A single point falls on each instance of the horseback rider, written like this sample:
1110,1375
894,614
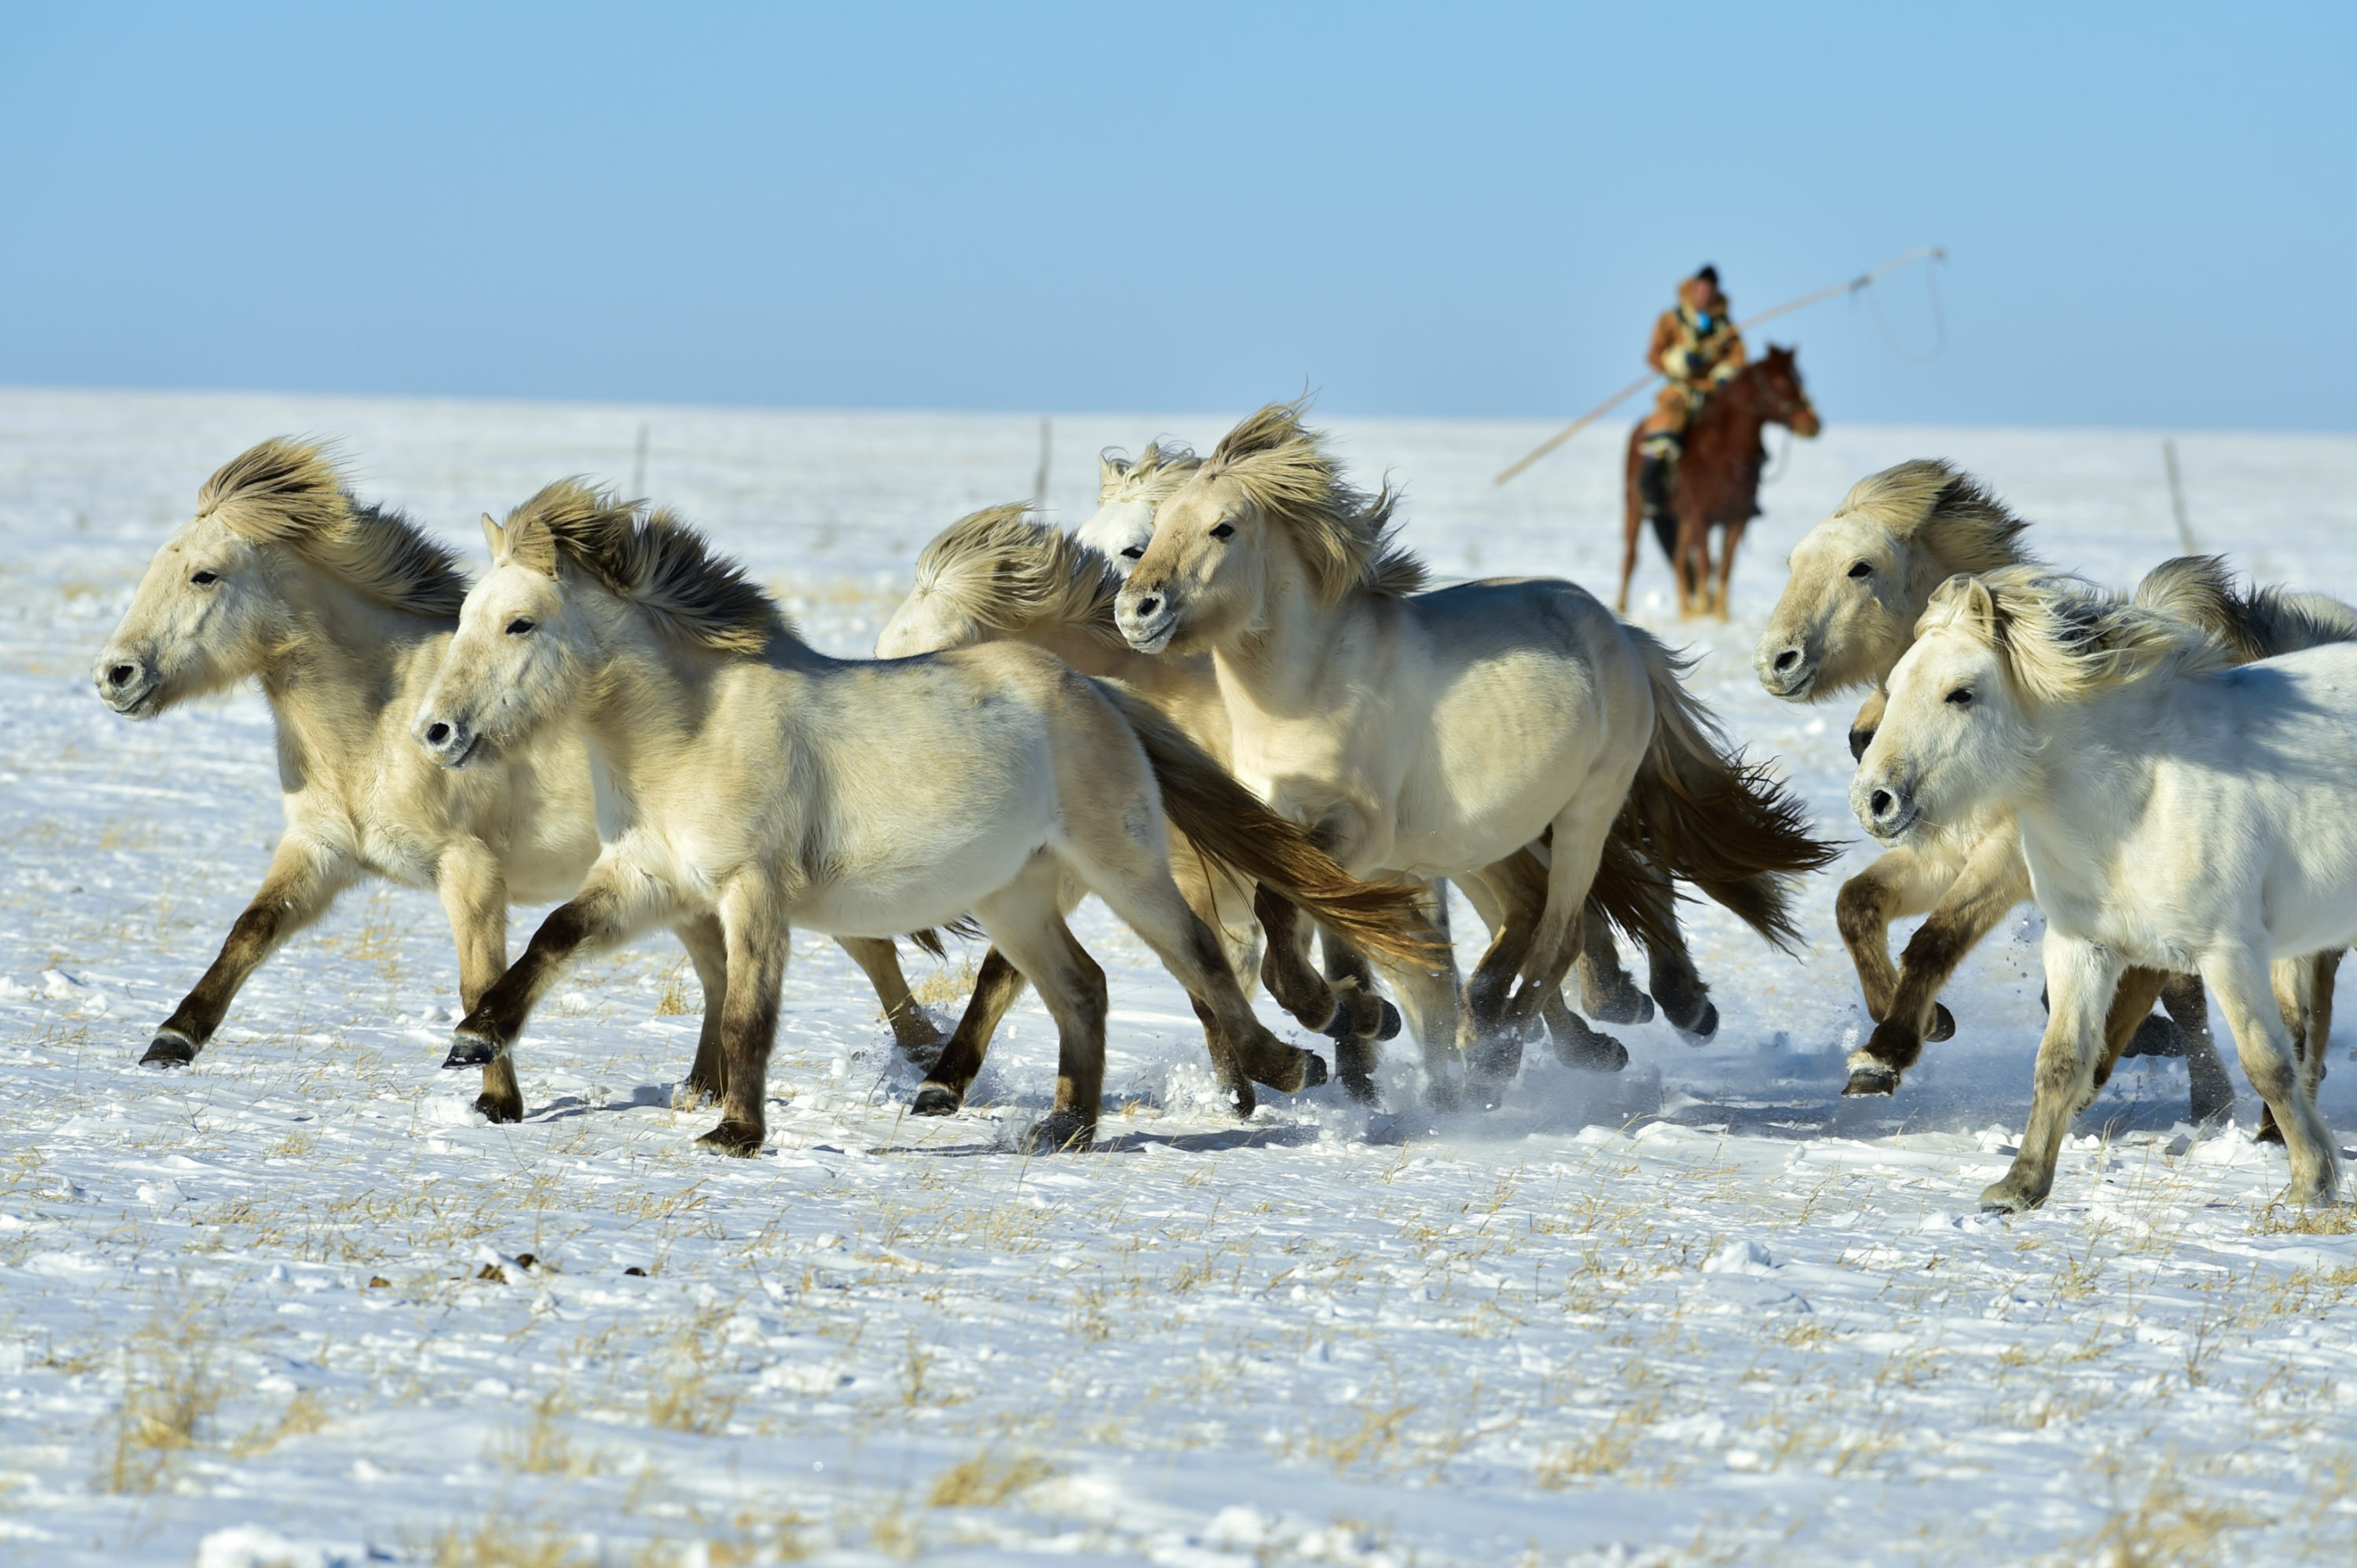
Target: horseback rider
1697,347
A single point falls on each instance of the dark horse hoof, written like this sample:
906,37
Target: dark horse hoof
737,1138
936,1099
1705,1026
494,1110
1944,1024
1313,1070
1390,1027
1060,1132
1631,1005
1871,1078
470,1050
169,1048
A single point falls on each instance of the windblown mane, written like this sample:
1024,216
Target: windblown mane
2062,638
290,492
654,560
1345,536
1929,502
1158,472
2257,623
1003,568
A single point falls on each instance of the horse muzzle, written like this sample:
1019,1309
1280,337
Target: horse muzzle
450,741
1787,672
1887,811
1149,620
126,685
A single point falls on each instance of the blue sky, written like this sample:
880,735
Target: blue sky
1442,211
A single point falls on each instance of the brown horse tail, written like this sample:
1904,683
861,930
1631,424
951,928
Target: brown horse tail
2259,623
1702,813
1231,826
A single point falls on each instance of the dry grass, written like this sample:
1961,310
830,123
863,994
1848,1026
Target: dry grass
949,984
983,1482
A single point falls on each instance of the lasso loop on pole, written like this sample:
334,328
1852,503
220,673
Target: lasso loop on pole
1939,314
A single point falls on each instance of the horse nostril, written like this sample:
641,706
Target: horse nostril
1787,659
119,675
436,734
1882,803
1147,607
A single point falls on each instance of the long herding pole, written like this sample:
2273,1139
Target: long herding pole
2176,498
1641,382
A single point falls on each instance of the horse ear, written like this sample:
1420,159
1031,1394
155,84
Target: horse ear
530,544
1980,605
1112,468
496,537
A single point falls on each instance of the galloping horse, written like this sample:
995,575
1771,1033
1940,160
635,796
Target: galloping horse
1718,479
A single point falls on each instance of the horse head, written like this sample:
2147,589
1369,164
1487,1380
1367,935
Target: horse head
1782,397
1954,729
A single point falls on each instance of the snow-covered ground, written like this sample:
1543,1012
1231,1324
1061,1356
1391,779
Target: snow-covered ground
275,1308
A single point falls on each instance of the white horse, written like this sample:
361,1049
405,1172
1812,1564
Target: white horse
1860,581
745,775
1127,493
341,612
2176,811
1441,734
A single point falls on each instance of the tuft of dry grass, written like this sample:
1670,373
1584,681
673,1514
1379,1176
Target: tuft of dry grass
983,1483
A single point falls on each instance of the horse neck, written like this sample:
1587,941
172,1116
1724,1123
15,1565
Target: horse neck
1086,650
648,704
2081,791
343,658
1278,665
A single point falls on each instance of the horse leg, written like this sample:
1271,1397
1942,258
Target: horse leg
2081,979
303,880
707,949
1284,967
1576,1044
1900,882
1579,833
996,987
752,923
474,896
2238,980
1631,526
615,903
1511,899
1025,921
2132,1001
1607,991
2303,989
1995,879
1730,537
1369,1018
879,959
2212,1092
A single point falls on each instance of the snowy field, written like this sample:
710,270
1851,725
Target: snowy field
274,1309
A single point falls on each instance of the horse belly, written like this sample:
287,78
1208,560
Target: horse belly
933,886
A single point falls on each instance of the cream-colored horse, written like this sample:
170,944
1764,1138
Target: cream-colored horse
1441,734
2176,811
1859,583
341,612
1003,573
744,775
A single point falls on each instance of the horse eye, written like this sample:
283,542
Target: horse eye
1962,696
519,626
205,579
1863,569
1134,552
1225,531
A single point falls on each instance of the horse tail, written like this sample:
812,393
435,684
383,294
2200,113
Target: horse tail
1231,827
1702,813
2257,623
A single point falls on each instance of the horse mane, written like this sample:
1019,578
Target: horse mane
2253,623
1158,471
654,560
1345,536
1003,568
1931,503
290,492
2064,638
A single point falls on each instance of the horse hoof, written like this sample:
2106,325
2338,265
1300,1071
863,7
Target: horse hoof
1361,1089
1705,1026
169,1048
2154,1036
2007,1196
470,1050
1390,1027
1599,1052
936,1099
739,1139
1871,1078
1243,1100
497,1111
1629,1006
1944,1024
1313,1070
1061,1132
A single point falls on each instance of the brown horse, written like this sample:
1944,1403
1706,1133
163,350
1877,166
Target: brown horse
1718,479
